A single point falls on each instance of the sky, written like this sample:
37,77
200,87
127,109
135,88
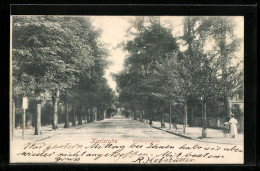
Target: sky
114,32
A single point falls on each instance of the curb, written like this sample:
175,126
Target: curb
65,131
44,138
184,136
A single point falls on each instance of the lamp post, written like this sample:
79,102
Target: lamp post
204,118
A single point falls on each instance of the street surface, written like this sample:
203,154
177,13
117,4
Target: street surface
119,131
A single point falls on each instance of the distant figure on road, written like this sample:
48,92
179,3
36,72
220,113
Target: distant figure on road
233,126
150,121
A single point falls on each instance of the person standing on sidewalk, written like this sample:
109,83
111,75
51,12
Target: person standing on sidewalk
233,126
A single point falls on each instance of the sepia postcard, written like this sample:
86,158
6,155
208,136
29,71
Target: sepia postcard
126,89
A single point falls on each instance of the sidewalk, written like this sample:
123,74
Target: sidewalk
47,131
194,133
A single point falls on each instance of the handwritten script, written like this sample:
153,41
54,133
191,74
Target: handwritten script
136,153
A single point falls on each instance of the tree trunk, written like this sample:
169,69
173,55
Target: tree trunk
105,114
140,115
101,114
91,114
147,116
61,113
162,119
227,106
98,115
143,116
223,55
66,111
151,117
135,115
74,114
80,115
38,120
185,118
204,120
13,118
55,111
88,115
95,114
192,115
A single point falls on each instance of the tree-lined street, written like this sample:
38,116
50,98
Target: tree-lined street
108,140
194,79
118,127
162,82
58,64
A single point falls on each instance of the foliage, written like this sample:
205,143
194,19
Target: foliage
40,47
198,73
51,53
111,111
150,44
126,113
156,71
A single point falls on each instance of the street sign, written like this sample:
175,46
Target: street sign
25,103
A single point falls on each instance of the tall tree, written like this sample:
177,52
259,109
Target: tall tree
40,45
151,41
197,73
55,54
226,44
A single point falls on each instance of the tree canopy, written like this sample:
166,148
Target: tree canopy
56,52
157,69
